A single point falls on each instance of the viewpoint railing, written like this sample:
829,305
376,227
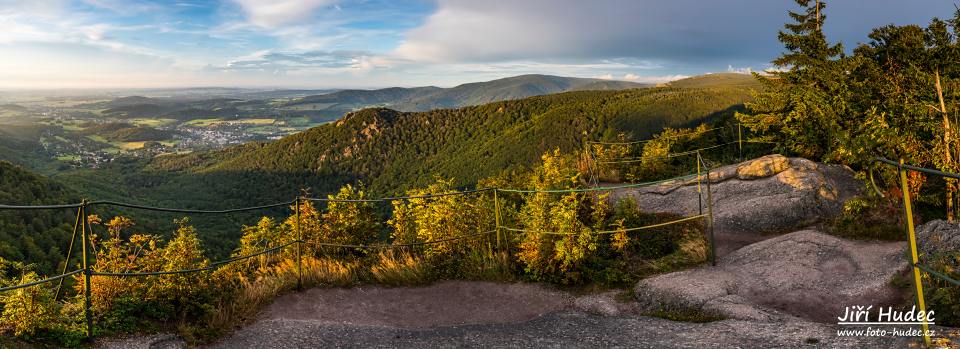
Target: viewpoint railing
594,164
83,227
910,229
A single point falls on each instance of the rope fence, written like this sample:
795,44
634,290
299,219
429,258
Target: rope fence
82,227
915,264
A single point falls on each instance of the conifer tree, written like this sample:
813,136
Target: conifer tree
804,99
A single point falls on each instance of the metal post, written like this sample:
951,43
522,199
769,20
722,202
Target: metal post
713,240
908,212
740,140
85,236
496,205
699,191
66,261
299,246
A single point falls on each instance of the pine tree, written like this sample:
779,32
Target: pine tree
804,100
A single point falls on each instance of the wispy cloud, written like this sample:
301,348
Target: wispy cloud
271,14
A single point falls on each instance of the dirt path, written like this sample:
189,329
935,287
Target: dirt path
480,314
442,304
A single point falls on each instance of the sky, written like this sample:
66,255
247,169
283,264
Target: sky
379,43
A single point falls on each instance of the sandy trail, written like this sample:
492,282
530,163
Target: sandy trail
442,304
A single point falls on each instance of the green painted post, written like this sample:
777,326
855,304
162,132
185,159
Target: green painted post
85,236
911,234
740,140
713,240
66,261
299,247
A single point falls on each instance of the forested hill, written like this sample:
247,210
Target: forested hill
717,79
391,150
38,237
428,98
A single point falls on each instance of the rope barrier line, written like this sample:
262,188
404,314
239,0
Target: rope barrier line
42,207
390,246
919,169
603,232
180,210
282,204
410,197
49,279
668,156
209,267
656,139
633,185
938,274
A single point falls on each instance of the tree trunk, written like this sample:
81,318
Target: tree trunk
947,139
818,15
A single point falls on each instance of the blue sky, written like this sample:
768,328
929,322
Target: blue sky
377,43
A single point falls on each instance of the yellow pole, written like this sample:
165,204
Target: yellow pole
908,211
299,247
699,191
66,261
496,205
85,241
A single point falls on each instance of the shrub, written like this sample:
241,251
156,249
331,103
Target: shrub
352,223
28,309
868,218
124,303
440,218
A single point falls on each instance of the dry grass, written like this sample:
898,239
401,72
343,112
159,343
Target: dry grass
400,269
488,265
270,282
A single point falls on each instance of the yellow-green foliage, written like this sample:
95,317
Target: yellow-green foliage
28,309
161,297
655,154
557,239
440,218
350,222
399,268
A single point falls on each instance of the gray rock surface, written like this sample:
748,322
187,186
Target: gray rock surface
569,329
804,274
754,199
154,341
937,237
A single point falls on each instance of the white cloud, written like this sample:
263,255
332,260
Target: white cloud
275,13
741,70
604,77
631,77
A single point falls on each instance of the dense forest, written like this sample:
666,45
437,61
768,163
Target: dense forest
39,238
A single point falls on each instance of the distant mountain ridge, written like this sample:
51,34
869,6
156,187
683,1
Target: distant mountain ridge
476,93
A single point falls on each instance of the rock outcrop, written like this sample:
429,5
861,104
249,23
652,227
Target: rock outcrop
771,194
756,199
937,237
805,274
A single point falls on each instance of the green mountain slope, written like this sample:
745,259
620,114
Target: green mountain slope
39,237
717,79
392,150
428,98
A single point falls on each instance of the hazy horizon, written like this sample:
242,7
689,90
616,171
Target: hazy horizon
335,44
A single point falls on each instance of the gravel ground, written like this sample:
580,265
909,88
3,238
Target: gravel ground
568,329
440,304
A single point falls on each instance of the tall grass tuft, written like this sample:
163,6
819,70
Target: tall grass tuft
402,268
485,264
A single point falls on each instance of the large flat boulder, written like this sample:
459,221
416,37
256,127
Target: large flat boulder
757,198
804,274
